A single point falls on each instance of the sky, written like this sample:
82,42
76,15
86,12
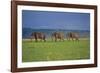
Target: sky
55,20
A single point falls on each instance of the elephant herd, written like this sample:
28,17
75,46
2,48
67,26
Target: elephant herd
55,36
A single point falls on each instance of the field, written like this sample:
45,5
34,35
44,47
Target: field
51,50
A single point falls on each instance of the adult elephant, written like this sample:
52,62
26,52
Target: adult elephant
72,36
38,35
57,35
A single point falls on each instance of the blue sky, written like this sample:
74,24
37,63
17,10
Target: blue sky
55,20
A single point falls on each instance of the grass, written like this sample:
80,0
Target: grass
50,50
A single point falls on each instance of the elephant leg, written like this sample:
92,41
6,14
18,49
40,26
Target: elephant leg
36,40
72,38
44,39
55,39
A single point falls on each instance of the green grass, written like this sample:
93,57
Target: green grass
50,50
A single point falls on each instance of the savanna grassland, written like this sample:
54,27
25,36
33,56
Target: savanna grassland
51,50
